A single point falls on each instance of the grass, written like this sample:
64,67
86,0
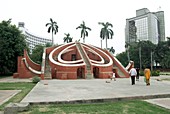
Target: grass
120,107
2,76
25,87
165,73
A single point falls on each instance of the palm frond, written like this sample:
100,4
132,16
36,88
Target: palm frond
109,24
101,23
78,27
81,33
86,33
83,23
88,28
49,29
51,20
48,24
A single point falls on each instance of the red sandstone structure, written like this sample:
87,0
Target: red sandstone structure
73,60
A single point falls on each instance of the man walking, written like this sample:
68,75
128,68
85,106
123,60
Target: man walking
133,74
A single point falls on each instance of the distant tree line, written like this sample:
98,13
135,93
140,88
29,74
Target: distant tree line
149,54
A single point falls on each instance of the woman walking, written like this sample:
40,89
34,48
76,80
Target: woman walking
147,74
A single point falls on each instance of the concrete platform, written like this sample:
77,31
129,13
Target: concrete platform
163,102
5,95
96,90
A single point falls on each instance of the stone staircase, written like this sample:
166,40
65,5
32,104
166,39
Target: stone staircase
89,74
47,73
120,73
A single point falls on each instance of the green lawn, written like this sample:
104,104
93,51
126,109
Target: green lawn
4,76
23,86
165,73
119,107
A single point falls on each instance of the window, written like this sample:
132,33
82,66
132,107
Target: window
142,28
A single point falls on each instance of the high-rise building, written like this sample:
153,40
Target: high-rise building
32,40
145,26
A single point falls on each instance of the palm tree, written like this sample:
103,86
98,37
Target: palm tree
84,29
106,32
112,50
67,38
53,28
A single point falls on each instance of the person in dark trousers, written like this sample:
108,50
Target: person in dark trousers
133,74
137,76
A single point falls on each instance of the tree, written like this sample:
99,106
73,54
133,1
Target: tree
67,38
165,62
168,40
48,44
106,32
122,57
147,47
140,60
53,28
84,29
37,53
12,44
161,54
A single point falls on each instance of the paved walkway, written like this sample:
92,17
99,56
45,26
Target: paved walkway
97,90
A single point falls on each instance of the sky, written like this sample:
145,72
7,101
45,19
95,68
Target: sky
69,14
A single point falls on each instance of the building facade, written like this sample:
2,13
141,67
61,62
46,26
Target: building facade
145,26
32,40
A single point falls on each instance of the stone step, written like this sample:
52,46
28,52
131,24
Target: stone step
89,76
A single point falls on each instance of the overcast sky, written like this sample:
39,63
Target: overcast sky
70,13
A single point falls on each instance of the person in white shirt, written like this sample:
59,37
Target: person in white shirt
113,77
133,74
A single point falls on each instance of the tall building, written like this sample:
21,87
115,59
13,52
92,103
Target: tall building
32,40
145,26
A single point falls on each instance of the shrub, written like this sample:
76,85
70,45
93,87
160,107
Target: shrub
36,79
141,73
155,73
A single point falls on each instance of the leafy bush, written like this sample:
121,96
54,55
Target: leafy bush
36,79
141,73
155,73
